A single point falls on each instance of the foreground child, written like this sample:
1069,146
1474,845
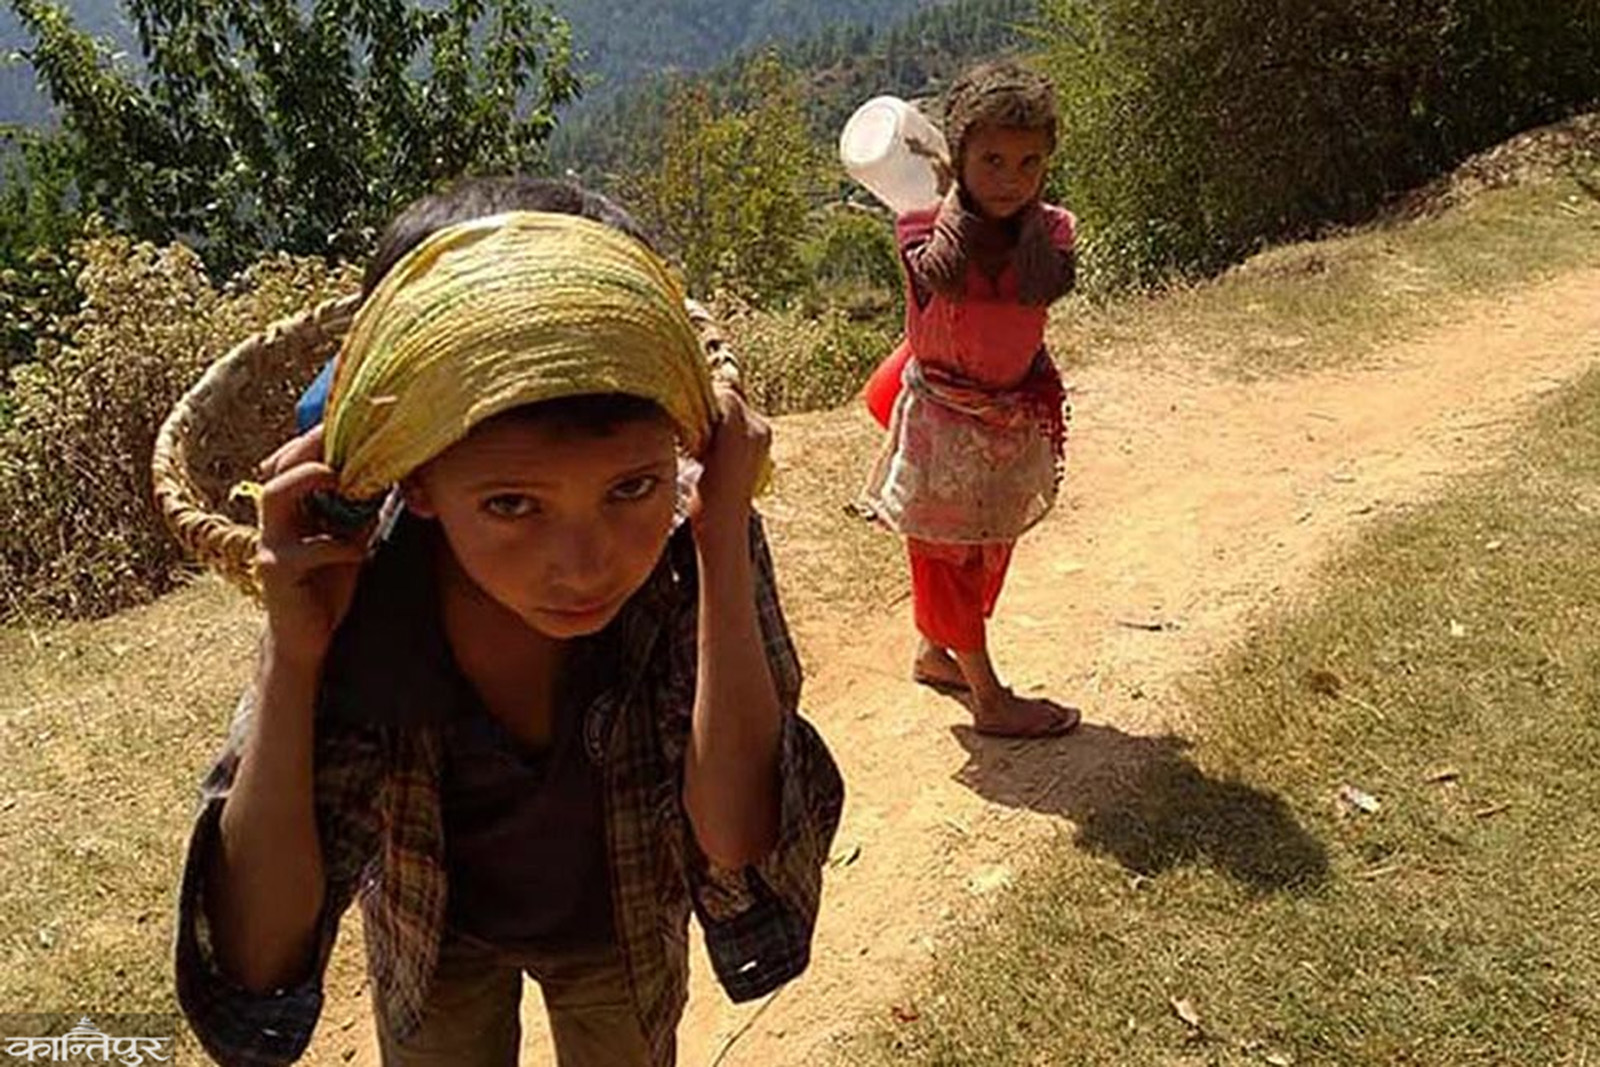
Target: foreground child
544,718
973,402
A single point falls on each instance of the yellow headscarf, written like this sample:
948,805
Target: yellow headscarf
499,312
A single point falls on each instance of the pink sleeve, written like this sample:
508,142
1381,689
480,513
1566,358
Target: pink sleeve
914,227
1063,227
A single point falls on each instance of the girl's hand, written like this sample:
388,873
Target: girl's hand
941,166
1039,263
308,576
740,444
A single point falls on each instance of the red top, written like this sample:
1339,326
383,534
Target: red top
988,336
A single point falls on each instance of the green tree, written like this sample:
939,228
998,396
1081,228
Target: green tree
38,269
1194,130
275,125
733,189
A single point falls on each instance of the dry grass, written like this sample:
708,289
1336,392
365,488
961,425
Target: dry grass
1310,306
1448,668
106,727
79,535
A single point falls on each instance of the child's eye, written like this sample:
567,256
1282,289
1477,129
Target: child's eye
510,506
635,488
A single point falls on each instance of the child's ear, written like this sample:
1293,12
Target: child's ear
417,499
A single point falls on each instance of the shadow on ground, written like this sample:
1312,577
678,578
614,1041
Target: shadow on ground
1141,801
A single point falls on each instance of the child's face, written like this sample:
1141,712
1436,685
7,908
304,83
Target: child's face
1004,168
560,528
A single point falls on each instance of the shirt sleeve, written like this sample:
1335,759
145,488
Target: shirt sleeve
1047,257
759,920
236,1025
933,246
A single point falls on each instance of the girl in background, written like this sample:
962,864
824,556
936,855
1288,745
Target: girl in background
974,404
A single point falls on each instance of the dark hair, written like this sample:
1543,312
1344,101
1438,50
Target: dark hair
476,198
584,415
1002,92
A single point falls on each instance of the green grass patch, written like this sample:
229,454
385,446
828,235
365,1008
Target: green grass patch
1310,306
1447,666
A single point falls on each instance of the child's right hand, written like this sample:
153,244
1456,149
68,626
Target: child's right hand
935,158
308,576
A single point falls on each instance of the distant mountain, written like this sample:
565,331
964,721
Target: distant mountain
622,40
628,39
840,67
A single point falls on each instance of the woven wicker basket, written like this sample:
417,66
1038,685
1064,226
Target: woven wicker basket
233,417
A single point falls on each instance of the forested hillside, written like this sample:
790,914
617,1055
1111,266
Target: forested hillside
838,68
622,40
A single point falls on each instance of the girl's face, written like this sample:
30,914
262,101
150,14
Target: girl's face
1004,168
559,527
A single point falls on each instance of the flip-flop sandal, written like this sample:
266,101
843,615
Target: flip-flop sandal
1066,722
942,686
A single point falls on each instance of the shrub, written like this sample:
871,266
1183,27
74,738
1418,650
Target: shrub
1195,130
793,362
79,533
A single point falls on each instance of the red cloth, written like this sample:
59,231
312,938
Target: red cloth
883,388
954,589
988,336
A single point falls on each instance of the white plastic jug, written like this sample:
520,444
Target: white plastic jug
873,149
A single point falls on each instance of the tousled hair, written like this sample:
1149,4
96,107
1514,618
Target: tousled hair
1002,92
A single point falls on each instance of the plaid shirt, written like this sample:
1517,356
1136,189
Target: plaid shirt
377,785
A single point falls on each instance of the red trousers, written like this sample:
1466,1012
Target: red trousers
954,589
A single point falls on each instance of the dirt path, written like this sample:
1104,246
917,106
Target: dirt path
1191,501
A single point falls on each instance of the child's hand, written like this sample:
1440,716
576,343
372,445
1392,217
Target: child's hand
941,166
740,443
308,577
1038,261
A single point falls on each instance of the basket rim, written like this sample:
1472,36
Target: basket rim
215,540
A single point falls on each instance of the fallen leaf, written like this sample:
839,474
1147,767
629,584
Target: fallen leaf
1324,682
1354,799
845,858
1491,810
1445,774
1154,626
1184,1010
904,1014
1494,546
1280,1059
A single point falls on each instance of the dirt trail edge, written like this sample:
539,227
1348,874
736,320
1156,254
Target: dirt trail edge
1191,503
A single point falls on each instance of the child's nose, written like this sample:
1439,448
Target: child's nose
579,556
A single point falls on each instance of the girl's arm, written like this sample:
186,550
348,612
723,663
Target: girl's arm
936,255
1047,255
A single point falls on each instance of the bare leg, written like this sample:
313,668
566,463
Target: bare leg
997,710
936,667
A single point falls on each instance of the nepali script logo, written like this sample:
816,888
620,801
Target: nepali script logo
82,1042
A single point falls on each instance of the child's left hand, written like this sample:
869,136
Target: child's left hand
1038,262
733,463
